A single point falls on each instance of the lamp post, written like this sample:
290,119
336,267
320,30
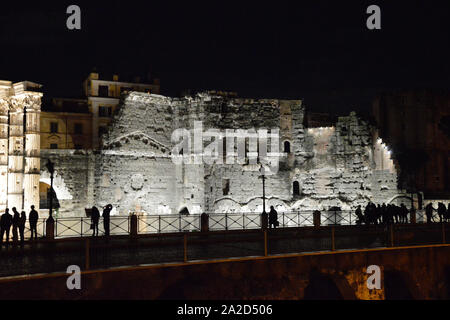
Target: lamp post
264,217
51,168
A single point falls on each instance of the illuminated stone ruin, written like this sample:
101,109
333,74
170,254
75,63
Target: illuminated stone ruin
20,107
344,165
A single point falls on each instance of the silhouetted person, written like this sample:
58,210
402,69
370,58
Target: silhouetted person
95,217
15,225
384,213
273,217
359,214
5,225
106,218
22,220
33,219
403,214
441,211
429,212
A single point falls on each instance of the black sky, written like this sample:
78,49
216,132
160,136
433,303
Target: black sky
317,50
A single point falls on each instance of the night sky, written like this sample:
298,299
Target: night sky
320,51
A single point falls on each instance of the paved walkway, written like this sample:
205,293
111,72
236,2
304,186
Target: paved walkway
94,253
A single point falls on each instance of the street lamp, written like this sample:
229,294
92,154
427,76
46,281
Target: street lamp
51,168
264,217
263,177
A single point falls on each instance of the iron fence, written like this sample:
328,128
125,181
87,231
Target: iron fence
148,224
168,223
81,226
40,228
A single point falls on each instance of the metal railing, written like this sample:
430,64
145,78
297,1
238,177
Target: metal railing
168,223
149,224
81,226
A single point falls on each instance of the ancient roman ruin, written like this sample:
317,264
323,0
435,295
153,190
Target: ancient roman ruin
20,107
343,165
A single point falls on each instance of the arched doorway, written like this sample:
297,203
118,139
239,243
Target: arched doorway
395,286
321,287
45,192
287,147
296,188
184,211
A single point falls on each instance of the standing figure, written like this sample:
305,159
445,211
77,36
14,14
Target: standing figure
429,212
441,211
33,219
22,220
403,213
95,217
359,214
15,225
106,215
5,225
273,217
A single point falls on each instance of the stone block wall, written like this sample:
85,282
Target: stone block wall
344,165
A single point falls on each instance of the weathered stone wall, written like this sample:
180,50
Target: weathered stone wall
73,179
343,166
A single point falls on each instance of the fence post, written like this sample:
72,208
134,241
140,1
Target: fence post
133,225
316,218
412,216
204,222
50,229
265,242
333,247
87,249
264,220
226,221
81,226
185,247
159,224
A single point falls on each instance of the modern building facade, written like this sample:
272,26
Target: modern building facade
79,123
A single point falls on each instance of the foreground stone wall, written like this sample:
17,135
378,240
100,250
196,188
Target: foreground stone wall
406,273
344,165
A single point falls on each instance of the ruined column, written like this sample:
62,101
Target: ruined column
16,154
4,127
32,149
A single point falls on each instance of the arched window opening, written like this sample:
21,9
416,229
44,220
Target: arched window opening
296,188
287,147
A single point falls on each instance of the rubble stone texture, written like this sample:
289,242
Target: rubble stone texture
342,166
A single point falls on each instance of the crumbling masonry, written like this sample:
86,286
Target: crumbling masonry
344,165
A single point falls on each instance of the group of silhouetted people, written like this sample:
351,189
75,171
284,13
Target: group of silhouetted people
95,218
17,222
382,214
443,212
